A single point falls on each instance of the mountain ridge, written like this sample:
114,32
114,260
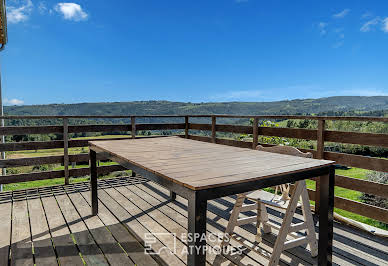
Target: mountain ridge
285,107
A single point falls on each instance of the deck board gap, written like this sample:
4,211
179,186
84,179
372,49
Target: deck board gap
107,256
49,229
29,226
10,236
211,223
63,190
153,257
106,227
156,257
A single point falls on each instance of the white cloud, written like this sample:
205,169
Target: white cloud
367,26
71,11
385,25
322,27
13,102
42,7
19,11
342,14
367,15
375,22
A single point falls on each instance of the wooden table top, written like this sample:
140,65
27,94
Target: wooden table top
200,165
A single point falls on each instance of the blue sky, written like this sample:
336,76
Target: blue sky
197,51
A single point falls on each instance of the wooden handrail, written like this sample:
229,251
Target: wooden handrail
347,118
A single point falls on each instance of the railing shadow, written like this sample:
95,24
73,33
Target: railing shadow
66,247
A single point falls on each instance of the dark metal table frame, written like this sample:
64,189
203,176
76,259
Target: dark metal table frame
197,201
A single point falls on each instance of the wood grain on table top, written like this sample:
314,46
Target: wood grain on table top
199,165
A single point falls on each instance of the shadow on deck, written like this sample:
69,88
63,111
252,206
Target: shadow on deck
53,225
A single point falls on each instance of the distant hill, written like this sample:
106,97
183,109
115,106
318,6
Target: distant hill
300,106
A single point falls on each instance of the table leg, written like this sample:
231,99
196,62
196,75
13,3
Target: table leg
93,181
196,231
325,244
172,195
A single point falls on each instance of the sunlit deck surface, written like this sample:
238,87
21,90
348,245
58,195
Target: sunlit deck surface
52,225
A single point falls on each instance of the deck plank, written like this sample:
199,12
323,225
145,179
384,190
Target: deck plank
21,247
43,249
66,249
164,220
5,230
179,214
128,210
132,247
214,218
181,219
157,226
89,250
366,255
132,218
101,235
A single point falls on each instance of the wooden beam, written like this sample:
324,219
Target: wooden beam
98,128
299,133
319,155
370,139
76,172
363,209
31,161
360,208
25,130
133,127
187,127
255,134
359,161
214,129
66,149
365,186
200,126
343,118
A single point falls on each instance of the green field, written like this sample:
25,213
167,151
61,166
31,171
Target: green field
352,195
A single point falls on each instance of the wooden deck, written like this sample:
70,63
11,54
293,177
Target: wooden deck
53,226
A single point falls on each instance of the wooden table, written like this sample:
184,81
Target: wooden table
200,171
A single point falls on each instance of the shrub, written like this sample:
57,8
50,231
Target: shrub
380,177
41,168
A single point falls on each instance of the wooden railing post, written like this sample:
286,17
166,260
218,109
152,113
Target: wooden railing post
213,128
186,126
66,149
133,133
133,126
255,132
320,155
